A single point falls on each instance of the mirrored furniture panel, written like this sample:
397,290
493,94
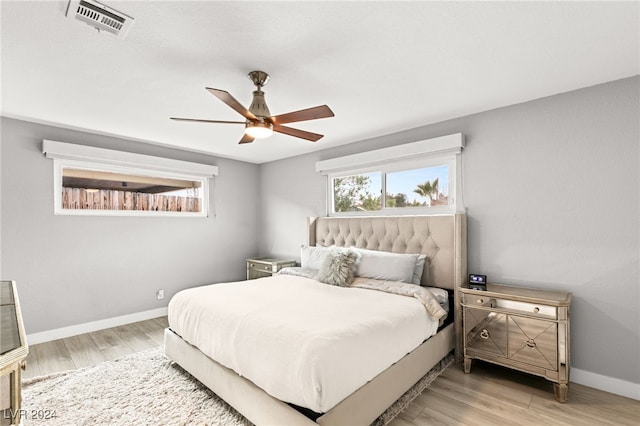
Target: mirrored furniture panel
13,351
522,328
265,267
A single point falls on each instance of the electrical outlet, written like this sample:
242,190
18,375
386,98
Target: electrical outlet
160,294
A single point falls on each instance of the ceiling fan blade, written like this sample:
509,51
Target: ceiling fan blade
314,113
201,120
246,139
303,134
225,97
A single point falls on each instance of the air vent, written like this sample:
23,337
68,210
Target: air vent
99,16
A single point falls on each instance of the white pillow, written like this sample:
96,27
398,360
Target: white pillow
312,257
417,272
382,265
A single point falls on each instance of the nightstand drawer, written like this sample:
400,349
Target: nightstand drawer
535,309
485,331
476,300
511,306
262,267
534,342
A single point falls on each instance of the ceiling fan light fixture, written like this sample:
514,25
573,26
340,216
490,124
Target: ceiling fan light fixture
259,123
259,130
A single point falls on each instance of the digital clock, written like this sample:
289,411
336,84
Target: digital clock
477,282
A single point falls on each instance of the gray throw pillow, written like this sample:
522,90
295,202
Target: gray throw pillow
338,268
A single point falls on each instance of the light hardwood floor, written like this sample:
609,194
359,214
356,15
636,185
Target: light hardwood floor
92,348
490,395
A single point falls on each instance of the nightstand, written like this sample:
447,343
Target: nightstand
266,267
522,328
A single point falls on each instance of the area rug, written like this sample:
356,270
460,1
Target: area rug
146,388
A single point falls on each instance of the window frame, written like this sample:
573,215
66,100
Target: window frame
60,164
67,155
444,150
398,166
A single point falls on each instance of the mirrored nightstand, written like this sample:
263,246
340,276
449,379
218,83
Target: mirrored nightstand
266,267
522,328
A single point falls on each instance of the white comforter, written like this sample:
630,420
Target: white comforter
303,342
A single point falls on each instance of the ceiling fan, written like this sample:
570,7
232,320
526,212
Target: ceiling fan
259,122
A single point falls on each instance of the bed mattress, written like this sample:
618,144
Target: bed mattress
301,341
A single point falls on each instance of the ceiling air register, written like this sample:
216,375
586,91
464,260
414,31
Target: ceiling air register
99,16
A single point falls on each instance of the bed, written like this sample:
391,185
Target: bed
441,238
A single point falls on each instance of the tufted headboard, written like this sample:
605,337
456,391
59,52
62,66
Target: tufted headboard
442,238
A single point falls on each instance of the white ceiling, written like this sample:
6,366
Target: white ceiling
382,67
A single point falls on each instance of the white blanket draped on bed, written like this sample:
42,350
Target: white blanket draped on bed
301,341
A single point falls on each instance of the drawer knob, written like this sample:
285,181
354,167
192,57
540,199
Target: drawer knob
531,344
536,310
480,301
484,334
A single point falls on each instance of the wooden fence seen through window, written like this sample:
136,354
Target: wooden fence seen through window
82,199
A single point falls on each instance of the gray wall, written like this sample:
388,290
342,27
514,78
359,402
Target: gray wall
552,192
76,269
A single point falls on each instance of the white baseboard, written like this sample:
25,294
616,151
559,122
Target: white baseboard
88,327
605,383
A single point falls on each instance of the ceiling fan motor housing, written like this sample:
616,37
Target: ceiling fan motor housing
258,106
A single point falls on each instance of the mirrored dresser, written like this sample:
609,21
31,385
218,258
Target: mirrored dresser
13,351
522,328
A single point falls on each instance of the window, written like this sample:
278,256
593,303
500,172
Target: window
94,181
93,189
425,187
357,193
417,178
